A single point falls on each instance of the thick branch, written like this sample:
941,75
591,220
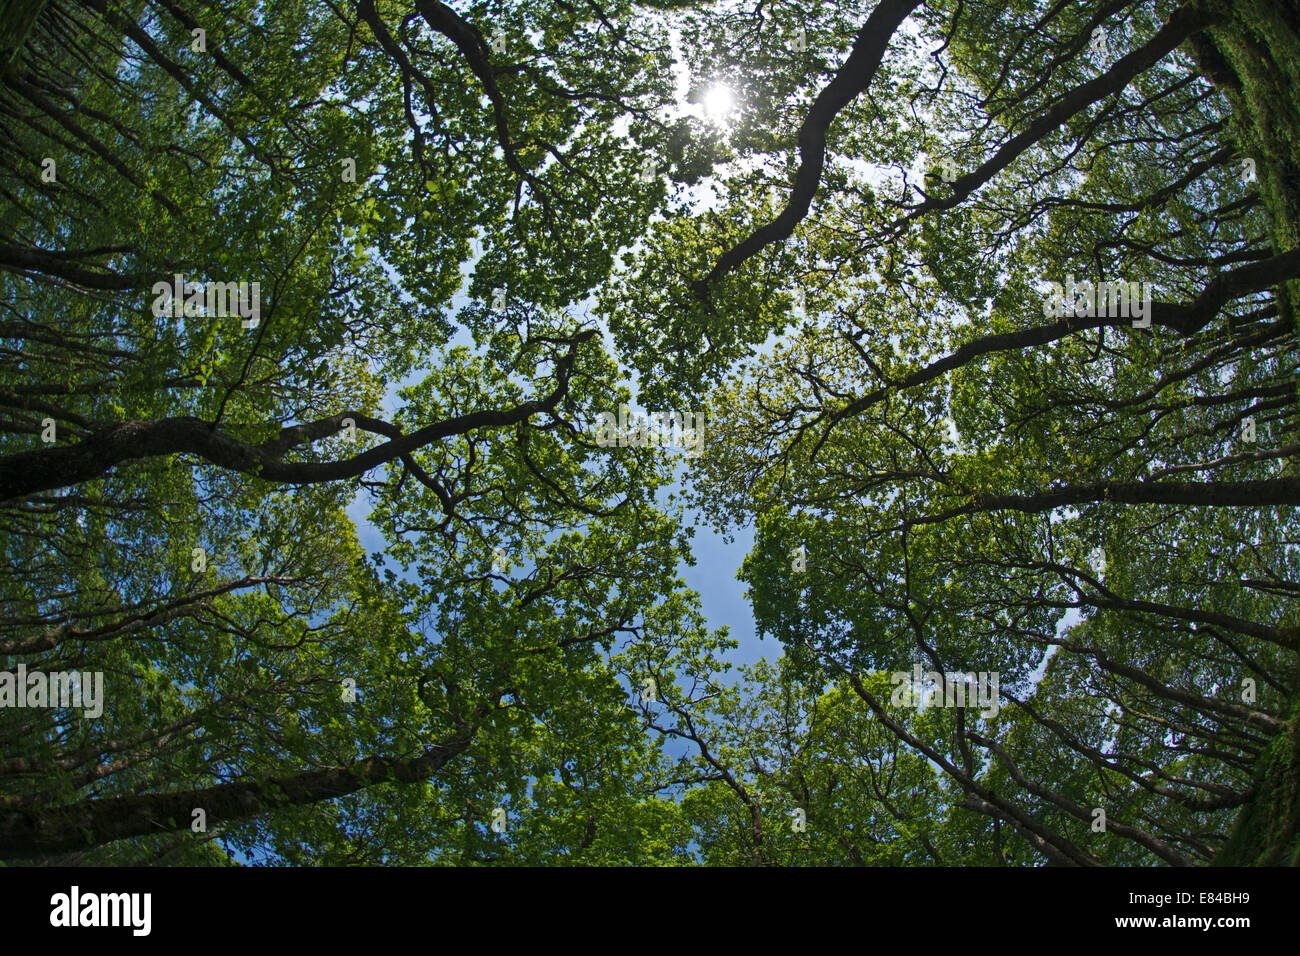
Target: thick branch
852,79
46,469
37,831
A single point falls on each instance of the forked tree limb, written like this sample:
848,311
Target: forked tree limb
58,466
1185,318
856,75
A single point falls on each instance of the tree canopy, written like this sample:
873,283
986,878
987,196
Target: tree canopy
982,316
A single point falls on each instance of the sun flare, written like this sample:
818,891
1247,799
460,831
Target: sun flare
719,101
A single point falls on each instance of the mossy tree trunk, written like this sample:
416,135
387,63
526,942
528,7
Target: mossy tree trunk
1252,54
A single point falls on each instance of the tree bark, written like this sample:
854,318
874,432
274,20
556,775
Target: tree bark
1258,493
33,832
852,79
45,469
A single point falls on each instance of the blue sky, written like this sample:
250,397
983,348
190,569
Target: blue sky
722,596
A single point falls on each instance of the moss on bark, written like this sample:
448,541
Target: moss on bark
1252,54
1267,830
